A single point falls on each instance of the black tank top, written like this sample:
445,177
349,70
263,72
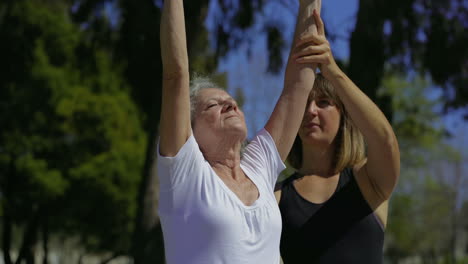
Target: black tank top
343,230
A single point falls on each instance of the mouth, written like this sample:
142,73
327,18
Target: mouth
311,125
229,117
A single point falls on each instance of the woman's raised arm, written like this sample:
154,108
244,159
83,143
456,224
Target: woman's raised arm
378,176
287,116
175,126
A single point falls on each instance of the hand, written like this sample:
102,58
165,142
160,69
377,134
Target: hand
315,48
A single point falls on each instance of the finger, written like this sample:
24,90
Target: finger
311,38
321,58
311,50
319,23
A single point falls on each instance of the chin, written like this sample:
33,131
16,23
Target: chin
309,135
241,132
312,139
238,131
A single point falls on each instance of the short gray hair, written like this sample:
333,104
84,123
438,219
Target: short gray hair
198,83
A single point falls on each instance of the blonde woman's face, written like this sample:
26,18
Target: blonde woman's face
321,122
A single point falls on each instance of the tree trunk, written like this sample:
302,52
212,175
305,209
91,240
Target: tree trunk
30,255
29,240
6,238
7,218
115,255
148,245
80,258
455,212
139,47
45,242
367,54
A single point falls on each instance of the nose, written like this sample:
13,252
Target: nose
229,105
311,108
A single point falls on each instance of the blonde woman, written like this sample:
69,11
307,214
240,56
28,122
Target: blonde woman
334,208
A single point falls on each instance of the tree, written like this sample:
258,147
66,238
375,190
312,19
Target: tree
422,220
419,35
71,142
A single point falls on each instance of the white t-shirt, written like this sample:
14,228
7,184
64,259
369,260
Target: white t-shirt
203,221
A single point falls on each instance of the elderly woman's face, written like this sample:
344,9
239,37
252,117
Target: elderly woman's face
217,115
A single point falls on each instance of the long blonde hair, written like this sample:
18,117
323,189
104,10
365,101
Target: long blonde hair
350,146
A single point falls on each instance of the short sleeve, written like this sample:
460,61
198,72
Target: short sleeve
261,155
173,171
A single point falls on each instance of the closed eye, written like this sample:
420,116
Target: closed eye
211,105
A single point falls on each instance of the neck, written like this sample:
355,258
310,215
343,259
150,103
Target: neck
318,160
224,154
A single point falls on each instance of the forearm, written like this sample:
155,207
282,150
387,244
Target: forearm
302,74
173,39
298,82
299,78
305,21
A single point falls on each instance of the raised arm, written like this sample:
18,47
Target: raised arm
175,126
287,116
378,176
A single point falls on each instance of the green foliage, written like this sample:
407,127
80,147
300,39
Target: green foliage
419,220
45,184
108,152
416,121
427,37
421,209
401,237
72,145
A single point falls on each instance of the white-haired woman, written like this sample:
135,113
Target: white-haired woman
216,206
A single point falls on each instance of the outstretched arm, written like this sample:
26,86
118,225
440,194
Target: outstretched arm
378,176
175,126
298,81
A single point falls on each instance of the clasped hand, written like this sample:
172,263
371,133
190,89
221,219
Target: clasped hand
314,48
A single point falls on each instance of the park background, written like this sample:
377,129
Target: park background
80,86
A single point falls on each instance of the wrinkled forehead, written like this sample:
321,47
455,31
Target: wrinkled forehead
212,94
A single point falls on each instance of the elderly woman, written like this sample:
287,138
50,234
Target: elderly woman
334,208
216,206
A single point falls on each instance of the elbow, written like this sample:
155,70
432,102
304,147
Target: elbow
387,144
386,193
393,150
393,173
387,172
384,189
